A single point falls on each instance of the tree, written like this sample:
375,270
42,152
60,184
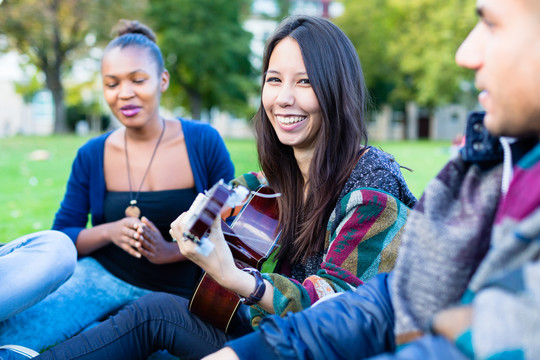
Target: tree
284,9
54,33
407,47
431,32
370,26
206,51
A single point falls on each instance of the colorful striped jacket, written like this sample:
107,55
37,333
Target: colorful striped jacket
362,236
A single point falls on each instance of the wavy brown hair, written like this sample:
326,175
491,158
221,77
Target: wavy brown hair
336,77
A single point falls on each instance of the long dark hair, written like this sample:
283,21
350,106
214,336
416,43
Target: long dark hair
134,33
335,74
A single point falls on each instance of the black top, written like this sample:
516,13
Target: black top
162,208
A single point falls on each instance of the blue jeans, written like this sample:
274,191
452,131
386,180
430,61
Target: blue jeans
155,321
32,267
91,294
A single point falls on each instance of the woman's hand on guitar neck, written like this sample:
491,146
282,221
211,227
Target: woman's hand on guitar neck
219,263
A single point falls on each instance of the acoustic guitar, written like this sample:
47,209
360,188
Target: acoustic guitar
251,237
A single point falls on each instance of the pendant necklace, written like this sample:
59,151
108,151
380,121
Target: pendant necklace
133,210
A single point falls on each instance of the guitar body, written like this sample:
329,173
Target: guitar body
213,303
251,238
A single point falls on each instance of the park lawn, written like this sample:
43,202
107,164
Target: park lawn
31,190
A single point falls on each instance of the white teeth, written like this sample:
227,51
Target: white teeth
289,119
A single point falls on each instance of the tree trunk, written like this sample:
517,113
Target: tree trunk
60,118
54,75
54,84
195,104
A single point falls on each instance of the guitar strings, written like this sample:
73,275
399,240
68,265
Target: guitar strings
267,196
254,193
243,236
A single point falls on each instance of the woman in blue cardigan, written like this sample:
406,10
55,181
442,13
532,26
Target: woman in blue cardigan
131,183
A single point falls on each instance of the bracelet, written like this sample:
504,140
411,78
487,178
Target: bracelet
260,287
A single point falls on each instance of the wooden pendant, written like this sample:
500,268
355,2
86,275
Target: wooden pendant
133,211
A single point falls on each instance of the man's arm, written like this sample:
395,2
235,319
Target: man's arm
355,324
452,322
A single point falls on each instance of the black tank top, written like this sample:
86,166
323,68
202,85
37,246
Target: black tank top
162,208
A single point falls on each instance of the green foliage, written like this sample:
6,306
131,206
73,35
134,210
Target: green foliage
369,25
29,87
81,112
53,33
284,7
206,51
407,47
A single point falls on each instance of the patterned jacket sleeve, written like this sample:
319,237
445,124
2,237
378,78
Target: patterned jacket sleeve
505,289
506,310
364,243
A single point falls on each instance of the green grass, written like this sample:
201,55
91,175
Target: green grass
31,190
424,158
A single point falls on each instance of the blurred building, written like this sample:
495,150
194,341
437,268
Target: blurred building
442,123
18,117
11,103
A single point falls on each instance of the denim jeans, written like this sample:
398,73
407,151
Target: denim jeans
32,267
155,321
91,294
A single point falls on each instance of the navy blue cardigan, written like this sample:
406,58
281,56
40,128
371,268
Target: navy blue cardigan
85,192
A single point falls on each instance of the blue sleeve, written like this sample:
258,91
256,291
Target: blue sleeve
209,158
352,325
72,215
220,163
